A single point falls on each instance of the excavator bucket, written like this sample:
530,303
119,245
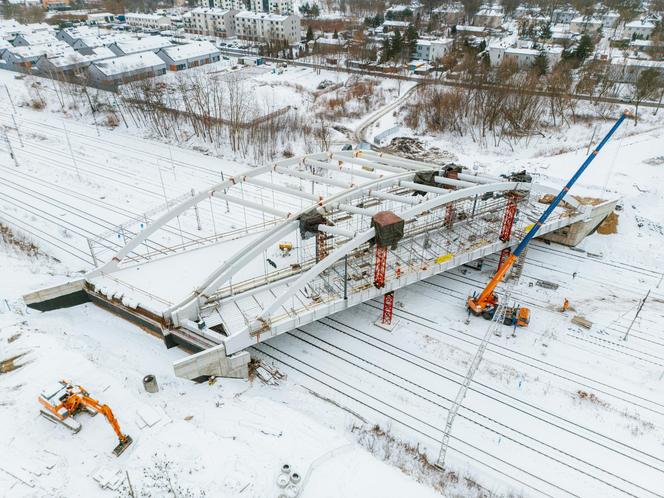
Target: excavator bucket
119,449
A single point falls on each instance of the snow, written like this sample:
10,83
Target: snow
149,43
526,406
127,63
190,50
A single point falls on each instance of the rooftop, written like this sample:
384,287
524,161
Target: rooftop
142,44
127,63
190,50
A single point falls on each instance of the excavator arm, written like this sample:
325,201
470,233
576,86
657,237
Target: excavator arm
94,405
487,297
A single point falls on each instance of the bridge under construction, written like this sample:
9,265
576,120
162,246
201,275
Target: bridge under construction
307,237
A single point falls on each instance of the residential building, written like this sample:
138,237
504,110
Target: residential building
111,72
148,21
283,7
432,50
563,15
38,38
210,22
628,70
70,35
450,14
523,56
190,55
24,58
259,27
136,45
609,19
639,29
489,17
68,64
225,4
55,4
395,26
100,18
585,24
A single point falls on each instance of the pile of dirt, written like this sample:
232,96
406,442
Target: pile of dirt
609,225
586,201
412,148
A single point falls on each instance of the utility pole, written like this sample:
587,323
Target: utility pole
71,151
9,146
18,132
638,310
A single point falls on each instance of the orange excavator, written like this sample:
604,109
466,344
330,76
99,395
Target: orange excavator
65,400
486,303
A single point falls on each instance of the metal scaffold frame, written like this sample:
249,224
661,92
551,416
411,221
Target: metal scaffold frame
448,221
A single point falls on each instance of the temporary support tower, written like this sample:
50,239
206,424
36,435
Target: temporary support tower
389,231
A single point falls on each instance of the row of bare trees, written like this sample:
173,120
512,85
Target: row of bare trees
498,106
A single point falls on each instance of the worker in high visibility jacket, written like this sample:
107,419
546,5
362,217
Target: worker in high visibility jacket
565,305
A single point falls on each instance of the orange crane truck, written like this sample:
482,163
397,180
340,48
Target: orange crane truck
486,303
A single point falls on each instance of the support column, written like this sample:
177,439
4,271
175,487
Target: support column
388,305
380,267
449,215
321,246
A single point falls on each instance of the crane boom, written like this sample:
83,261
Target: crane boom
477,305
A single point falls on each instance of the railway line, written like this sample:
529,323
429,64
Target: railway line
537,448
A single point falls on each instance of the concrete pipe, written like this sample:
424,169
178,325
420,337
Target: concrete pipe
285,469
282,480
295,477
150,384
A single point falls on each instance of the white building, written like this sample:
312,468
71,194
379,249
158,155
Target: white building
100,18
523,57
490,17
640,28
225,4
259,27
148,21
189,55
210,22
432,50
283,7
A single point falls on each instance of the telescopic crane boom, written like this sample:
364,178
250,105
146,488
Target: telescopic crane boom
485,304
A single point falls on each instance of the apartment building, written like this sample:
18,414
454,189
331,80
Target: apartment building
210,21
147,21
260,26
225,4
432,50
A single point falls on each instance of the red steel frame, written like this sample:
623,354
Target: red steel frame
380,267
388,305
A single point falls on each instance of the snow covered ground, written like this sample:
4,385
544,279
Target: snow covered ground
557,410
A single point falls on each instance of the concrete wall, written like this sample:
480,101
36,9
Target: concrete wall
573,234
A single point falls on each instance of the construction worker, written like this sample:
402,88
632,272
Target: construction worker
398,272
565,305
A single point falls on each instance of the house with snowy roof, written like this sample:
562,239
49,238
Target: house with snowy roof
190,55
137,45
110,73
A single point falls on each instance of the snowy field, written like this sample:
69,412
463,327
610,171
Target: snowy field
556,410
